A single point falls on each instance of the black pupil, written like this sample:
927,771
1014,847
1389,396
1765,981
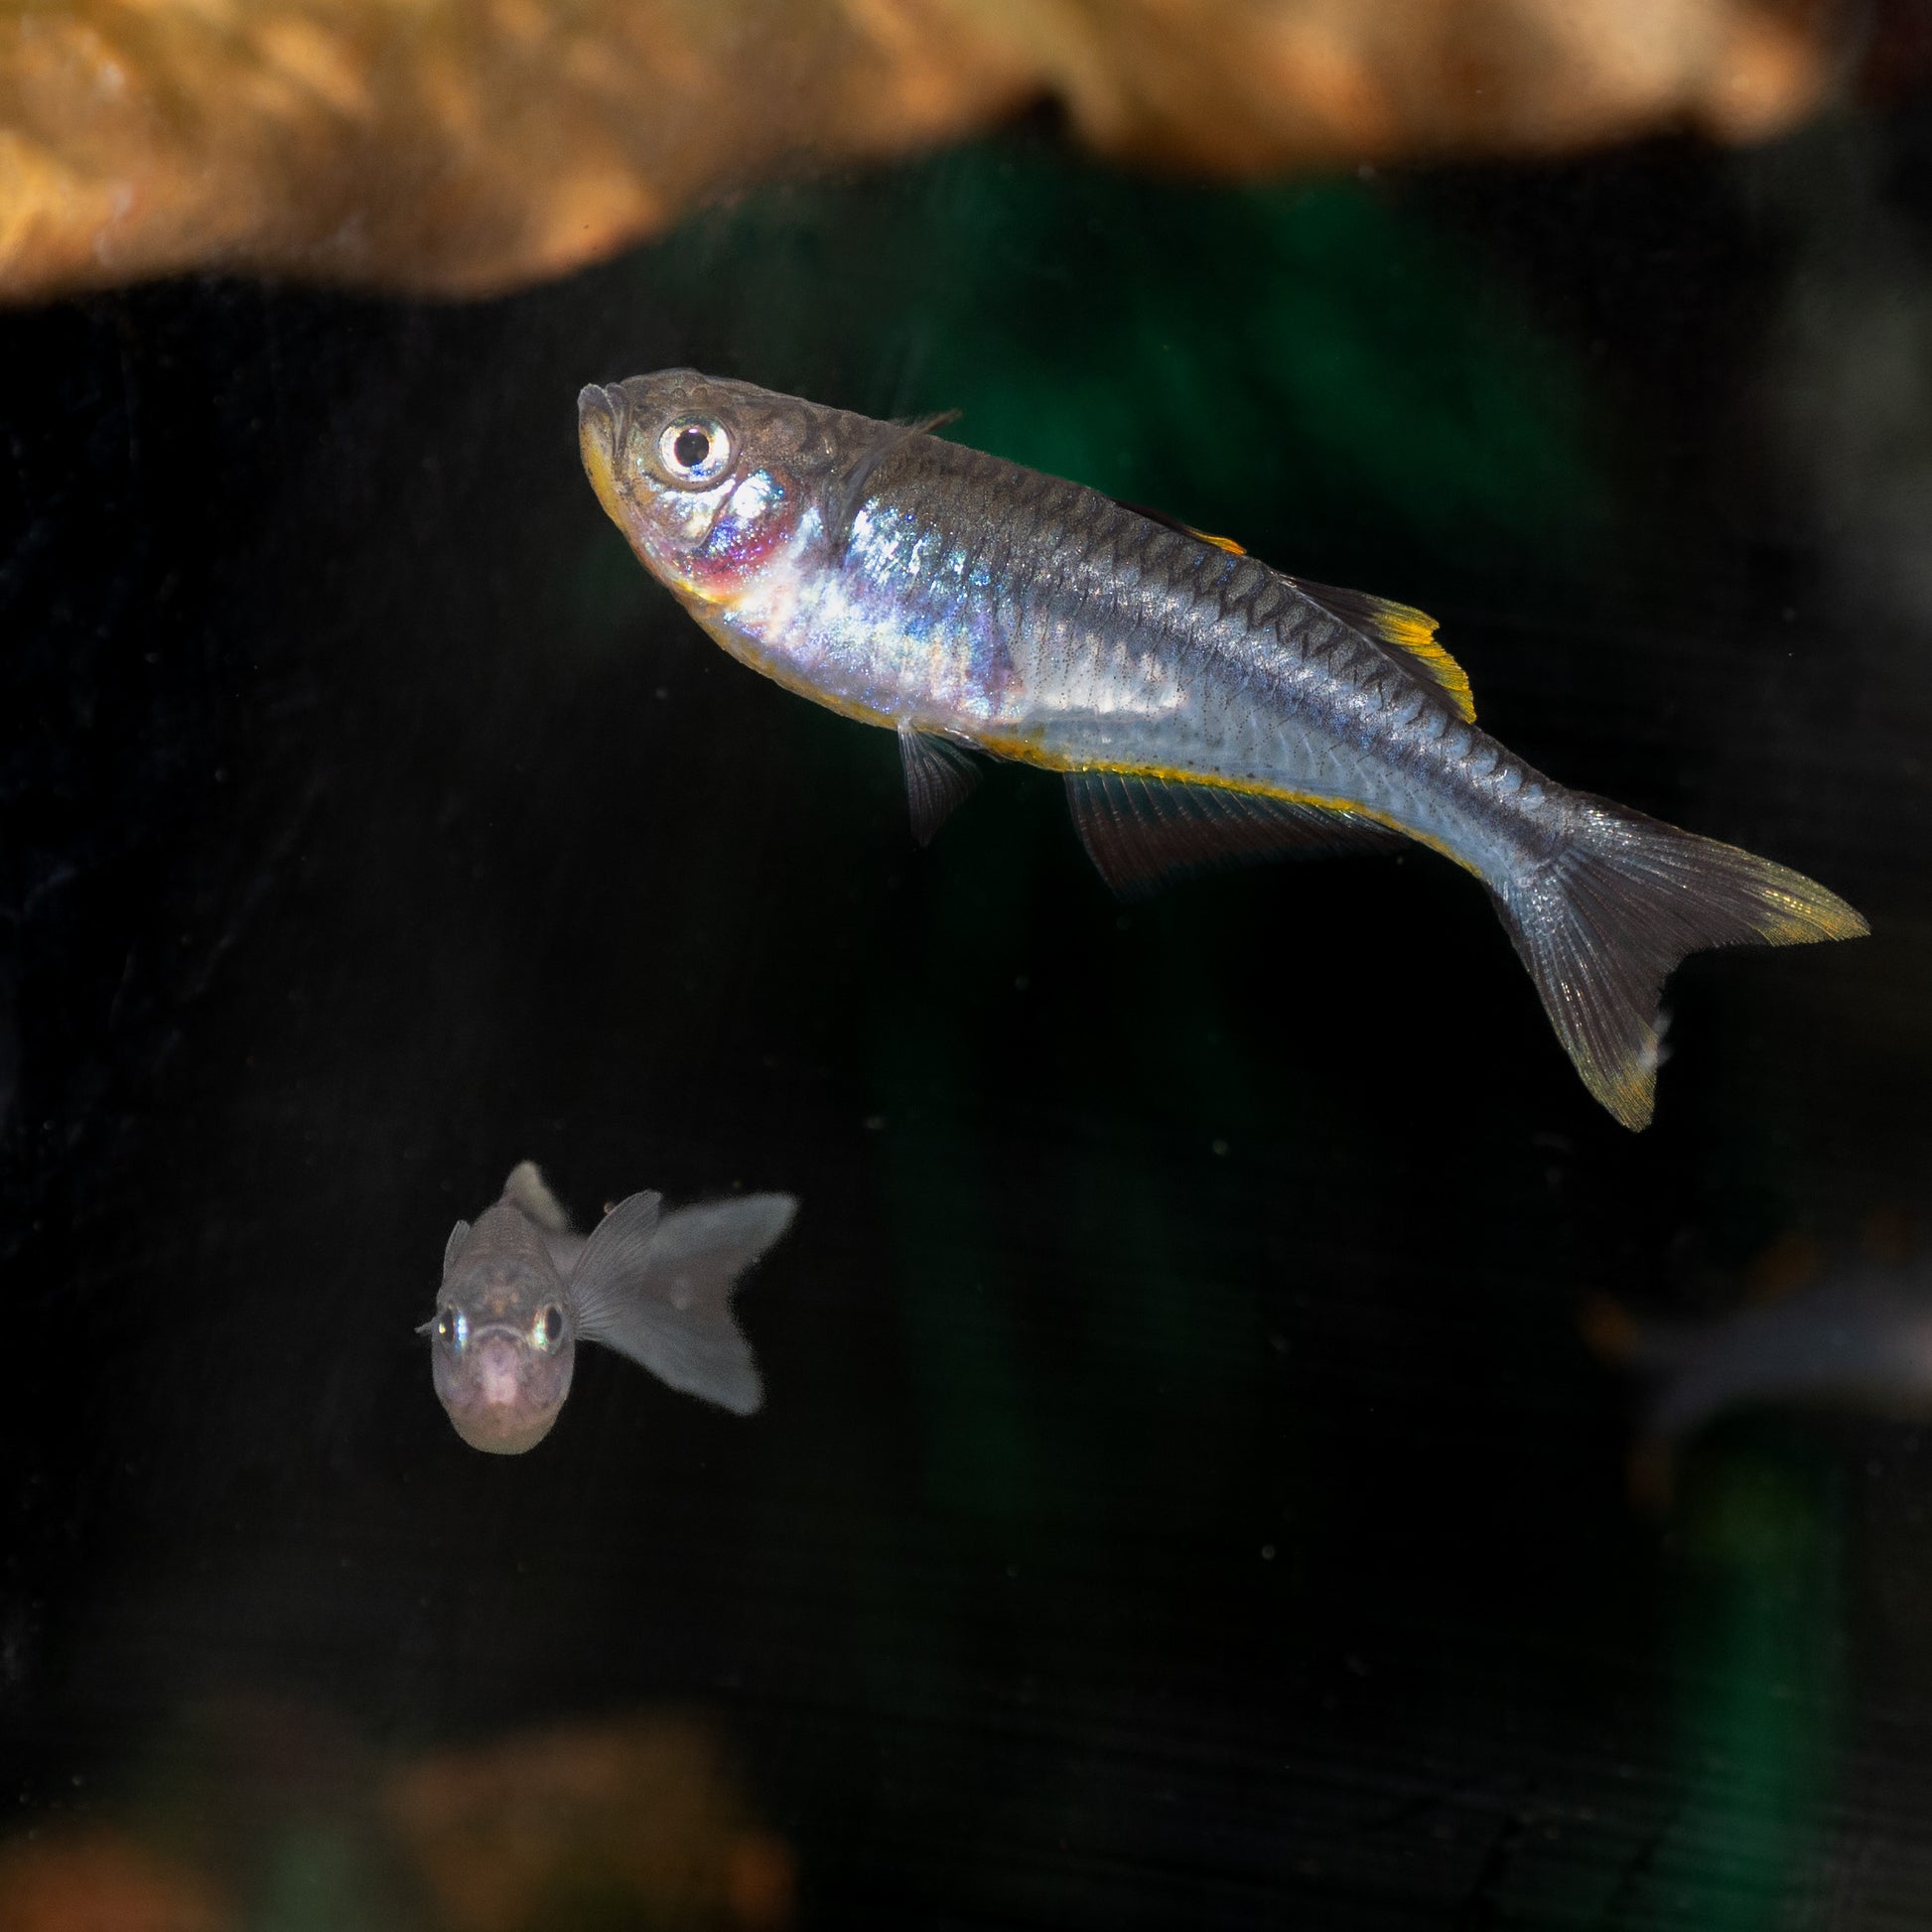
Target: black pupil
553,1326
691,448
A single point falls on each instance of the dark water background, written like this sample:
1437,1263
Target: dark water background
1185,1496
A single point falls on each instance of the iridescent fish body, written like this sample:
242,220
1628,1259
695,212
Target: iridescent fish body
520,1290
1205,707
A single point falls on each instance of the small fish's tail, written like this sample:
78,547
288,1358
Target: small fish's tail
1601,924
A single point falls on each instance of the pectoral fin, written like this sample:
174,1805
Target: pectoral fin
844,494
669,1308
457,1236
614,1257
1141,833
939,777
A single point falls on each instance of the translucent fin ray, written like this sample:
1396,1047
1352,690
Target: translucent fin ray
939,779
844,497
1601,924
1141,833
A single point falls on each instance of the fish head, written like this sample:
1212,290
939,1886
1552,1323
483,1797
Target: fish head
502,1343
713,482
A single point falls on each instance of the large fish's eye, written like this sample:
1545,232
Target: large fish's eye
547,1331
694,450
452,1327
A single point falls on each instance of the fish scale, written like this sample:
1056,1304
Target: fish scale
1204,707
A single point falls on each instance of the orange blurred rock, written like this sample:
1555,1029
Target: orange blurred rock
639,1813
463,146
97,1880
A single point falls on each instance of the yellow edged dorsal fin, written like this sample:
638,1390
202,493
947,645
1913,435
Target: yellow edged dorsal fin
1168,522
1411,632
1221,543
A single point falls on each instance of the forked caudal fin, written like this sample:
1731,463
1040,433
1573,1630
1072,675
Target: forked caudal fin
1601,924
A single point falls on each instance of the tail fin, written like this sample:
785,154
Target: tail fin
1601,924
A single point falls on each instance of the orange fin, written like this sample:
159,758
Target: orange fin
1411,632
1168,522
1221,543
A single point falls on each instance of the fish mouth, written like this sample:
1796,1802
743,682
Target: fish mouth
599,435
503,1431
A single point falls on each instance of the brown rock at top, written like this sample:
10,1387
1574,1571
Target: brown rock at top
461,147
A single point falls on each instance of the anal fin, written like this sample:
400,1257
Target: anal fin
1141,833
939,779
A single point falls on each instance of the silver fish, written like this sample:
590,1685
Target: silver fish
1202,706
520,1290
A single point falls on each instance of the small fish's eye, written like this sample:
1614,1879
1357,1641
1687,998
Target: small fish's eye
547,1331
452,1327
694,450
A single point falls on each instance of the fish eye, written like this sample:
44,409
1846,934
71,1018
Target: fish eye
694,450
452,1327
547,1331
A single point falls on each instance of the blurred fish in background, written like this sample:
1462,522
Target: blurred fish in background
1859,1337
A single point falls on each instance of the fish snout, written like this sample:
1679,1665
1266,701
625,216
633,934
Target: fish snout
600,413
499,1372
601,417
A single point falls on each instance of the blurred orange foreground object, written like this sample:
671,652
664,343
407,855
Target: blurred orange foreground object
97,1881
464,147
640,1813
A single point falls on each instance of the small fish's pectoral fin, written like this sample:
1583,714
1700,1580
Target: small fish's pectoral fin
619,1248
672,1314
846,493
939,779
527,1190
1411,632
457,1236
1141,833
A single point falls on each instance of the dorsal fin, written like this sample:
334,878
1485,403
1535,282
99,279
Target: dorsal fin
1168,522
527,1190
1411,632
